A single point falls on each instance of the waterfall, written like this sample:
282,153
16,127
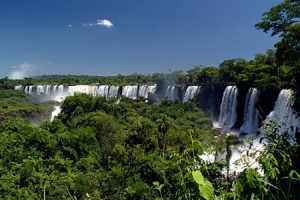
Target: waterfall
29,89
58,92
19,87
282,119
250,112
40,89
283,115
87,89
145,89
102,91
55,112
142,90
228,116
113,91
191,92
50,92
130,91
172,92
151,88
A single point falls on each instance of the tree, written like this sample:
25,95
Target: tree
193,74
164,123
284,19
230,69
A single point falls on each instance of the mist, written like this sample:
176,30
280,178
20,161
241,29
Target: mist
20,72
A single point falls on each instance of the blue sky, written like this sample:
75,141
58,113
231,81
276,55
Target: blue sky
105,37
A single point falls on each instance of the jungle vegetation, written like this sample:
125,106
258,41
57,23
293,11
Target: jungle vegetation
97,149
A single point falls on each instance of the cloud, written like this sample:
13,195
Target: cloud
100,22
20,72
104,22
70,26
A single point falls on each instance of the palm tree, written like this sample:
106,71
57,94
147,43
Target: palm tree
163,125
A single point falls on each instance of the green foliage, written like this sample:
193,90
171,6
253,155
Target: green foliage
97,149
19,104
206,189
283,19
102,149
250,185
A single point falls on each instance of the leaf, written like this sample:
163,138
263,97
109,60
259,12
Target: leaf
206,190
198,177
187,175
205,187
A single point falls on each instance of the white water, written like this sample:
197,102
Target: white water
245,156
56,111
250,112
240,158
50,92
113,91
145,89
59,92
152,89
130,91
102,91
228,115
87,89
207,157
283,116
172,92
191,92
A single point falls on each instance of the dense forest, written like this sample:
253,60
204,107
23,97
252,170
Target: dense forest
99,148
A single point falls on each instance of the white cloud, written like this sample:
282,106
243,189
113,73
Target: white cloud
100,22
70,25
20,72
88,24
104,22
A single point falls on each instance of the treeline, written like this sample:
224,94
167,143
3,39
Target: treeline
273,70
262,72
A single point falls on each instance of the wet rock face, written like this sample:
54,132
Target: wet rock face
296,105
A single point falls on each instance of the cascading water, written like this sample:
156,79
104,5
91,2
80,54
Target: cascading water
281,120
172,92
55,92
87,89
29,89
250,112
55,112
102,91
145,89
130,91
228,115
40,89
113,91
19,87
283,115
142,90
51,92
151,88
191,92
